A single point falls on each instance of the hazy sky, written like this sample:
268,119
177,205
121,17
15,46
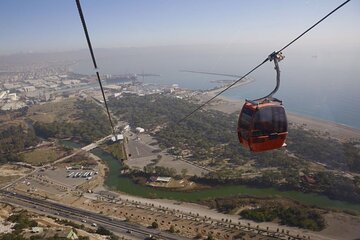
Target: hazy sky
53,25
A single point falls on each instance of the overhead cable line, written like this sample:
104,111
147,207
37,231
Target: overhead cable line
267,59
94,62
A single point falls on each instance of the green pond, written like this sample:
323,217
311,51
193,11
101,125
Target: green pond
116,182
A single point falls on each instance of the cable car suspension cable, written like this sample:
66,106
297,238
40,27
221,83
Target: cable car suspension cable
94,62
267,59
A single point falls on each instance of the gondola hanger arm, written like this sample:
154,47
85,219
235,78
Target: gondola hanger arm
276,57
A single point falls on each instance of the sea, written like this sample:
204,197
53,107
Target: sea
315,84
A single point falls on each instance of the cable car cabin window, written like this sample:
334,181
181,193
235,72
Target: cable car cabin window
269,120
245,123
246,117
279,120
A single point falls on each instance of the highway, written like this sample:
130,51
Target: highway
76,214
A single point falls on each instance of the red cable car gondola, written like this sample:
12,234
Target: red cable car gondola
262,122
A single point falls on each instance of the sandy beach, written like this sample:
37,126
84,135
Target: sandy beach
335,130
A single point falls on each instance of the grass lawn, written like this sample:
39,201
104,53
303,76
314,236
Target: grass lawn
80,159
42,156
6,179
49,112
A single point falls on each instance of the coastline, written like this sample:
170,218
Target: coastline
335,130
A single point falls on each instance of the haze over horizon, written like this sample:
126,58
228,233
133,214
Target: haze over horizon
163,37
54,26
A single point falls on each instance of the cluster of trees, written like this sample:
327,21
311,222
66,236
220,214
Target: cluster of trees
208,134
309,145
11,115
88,124
141,177
149,111
270,210
14,139
261,214
70,223
327,183
290,216
211,135
22,221
160,171
337,187
103,231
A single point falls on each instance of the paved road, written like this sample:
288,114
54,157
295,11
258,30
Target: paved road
113,224
138,149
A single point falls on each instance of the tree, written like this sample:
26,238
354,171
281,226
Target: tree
198,236
154,225
210,237
103,231
184,172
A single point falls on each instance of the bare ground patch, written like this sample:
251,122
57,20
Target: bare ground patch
43,155
50,112
11,172
342,226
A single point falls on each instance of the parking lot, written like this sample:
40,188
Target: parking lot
144,149
138,149
66,177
